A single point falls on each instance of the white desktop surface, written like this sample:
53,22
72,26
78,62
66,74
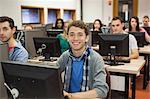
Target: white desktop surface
133,67
36,61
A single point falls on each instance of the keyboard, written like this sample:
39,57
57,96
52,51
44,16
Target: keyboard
119,60
123,60
51,59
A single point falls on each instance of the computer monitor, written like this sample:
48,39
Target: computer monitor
32,81
47,46
147,29
54,32
140,37
29,44
114,45
95,37
3,56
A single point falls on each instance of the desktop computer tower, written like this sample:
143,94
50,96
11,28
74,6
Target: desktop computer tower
3,57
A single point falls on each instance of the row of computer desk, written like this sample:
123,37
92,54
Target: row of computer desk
132,69
127,69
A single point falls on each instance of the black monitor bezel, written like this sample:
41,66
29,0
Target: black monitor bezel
95,37
53,32
33,81
140,38
147,30
112,38
55,45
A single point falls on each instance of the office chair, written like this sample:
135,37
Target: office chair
20,36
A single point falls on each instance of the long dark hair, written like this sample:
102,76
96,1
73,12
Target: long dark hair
57,23
100,22
137,21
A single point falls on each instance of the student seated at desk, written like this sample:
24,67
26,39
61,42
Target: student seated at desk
117,27
85,76
134,27
16,51
146,21
63,38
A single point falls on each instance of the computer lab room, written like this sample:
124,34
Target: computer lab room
74,49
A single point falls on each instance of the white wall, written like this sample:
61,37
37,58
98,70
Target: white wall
12,7
107,14
78,9
0,8
144,8
93,9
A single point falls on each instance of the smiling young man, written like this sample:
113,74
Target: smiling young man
117,25
16,51
85,76
146,21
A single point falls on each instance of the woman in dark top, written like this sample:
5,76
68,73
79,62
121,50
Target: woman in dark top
134,27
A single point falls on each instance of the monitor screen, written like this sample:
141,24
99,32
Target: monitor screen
95,37
119,41
114,45
33,81
54,32
147,29
47,46
29,43
140,37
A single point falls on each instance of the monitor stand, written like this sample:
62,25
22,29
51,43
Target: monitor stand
113,61
51,59
48,58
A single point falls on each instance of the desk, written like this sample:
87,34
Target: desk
132,68
36,61
145,51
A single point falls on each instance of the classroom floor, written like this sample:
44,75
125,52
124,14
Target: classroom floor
140,92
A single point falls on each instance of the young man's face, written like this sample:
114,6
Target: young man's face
6,32
145,21
77,38
117,26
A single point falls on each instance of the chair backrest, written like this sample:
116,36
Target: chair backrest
109,84
20,36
